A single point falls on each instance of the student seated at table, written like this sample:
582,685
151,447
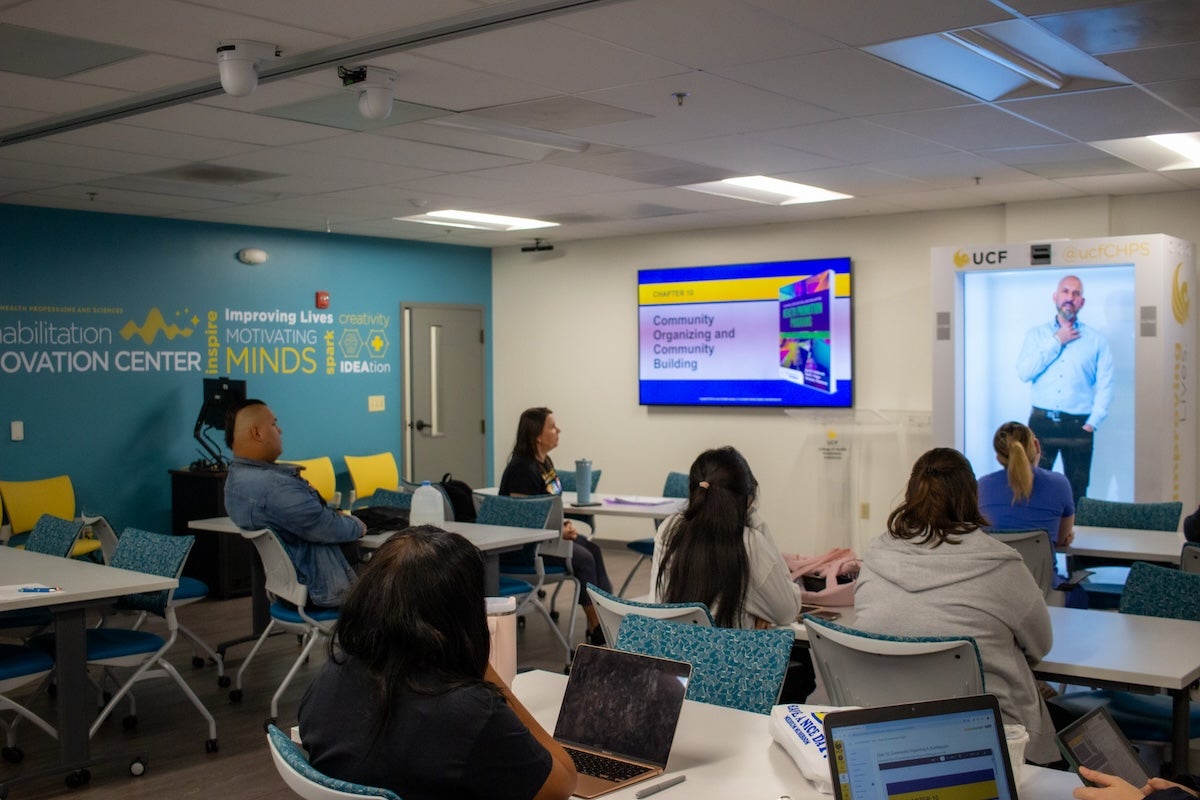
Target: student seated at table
1110,787
935,573
718,551
259,493
407,700
530,472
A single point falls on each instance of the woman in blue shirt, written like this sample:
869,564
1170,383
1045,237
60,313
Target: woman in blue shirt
1023,496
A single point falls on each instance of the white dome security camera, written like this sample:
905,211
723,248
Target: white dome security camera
375,87
238,60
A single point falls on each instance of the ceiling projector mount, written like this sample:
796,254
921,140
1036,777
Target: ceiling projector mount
375,87
538,246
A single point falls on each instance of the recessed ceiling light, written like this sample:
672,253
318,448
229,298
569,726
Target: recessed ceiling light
1185,144
771,191
477,221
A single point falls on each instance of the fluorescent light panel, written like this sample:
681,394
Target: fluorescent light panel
770,191
1185,144
997,52
477,221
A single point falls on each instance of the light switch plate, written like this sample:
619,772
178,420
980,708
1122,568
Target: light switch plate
17,429
375,402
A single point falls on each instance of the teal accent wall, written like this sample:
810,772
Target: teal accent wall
105,337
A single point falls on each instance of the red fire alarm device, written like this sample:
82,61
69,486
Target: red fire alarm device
322,299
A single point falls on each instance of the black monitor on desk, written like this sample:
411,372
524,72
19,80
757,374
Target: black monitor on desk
220,394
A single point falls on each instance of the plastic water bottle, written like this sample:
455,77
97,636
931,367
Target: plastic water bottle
427,506
583,480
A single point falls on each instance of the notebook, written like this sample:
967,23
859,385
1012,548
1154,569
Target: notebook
939,750
1095,741
618,716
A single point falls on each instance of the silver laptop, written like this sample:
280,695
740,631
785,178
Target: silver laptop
618,716
953,748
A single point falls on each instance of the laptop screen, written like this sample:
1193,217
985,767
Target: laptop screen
622,703
946,749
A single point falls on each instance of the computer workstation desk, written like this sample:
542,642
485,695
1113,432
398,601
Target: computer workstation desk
610,504
726,753
80,585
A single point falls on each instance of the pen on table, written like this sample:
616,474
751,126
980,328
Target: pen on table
658,787
39,589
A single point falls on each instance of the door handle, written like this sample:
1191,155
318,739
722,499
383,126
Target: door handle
421,425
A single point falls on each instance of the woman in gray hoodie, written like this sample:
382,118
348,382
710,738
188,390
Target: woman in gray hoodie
935,573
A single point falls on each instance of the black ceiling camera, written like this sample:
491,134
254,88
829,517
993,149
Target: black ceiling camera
220,394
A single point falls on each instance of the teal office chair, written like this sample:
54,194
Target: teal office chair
612,609
387,497
1150,591
524,573
730,667
1105,584
142,651
308,782
676,486
869,669
191,590
290,612
20,665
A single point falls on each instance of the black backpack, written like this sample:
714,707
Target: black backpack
461,497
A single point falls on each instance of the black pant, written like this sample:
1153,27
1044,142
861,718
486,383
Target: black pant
1063,433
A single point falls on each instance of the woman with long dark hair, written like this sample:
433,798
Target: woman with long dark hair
407,700
935,573
530,472
719,552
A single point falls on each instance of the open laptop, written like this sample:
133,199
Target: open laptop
947,749
618,716
1095,741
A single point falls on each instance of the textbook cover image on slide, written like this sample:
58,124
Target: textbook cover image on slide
806,332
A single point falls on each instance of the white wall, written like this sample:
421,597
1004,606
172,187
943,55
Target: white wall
565,335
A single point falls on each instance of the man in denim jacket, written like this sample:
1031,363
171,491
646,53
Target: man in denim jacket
262,494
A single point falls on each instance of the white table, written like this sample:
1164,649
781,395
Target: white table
83,584
647,507
726,753
490,539
1128,652
1127,544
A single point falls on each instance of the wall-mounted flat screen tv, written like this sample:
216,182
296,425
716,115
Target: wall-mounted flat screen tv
776,333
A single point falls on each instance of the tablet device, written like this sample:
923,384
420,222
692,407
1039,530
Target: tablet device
1095,741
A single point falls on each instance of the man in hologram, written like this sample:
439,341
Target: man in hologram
1071,369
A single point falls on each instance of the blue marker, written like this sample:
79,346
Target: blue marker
39,589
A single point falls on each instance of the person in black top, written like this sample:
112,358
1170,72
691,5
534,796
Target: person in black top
407,700
531,472
1191,526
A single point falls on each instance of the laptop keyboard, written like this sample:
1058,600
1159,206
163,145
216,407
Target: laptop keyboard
599,766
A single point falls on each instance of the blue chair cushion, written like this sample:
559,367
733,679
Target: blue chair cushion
286,612
106,643
513,586
190,589
643,547
17,660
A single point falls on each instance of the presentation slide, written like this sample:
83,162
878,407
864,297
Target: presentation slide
768,334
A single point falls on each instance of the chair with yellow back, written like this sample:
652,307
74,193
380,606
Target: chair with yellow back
24,502
320,475
369,473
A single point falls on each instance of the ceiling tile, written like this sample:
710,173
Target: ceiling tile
970,127
1103,114
1157,63
745,34
384,147
743,154
853,141
27,51
859,22
1130,27
147,73
50,96
49,151
202,120
165,144
852,83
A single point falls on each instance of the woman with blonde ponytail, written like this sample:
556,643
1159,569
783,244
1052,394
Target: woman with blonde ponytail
1023,496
